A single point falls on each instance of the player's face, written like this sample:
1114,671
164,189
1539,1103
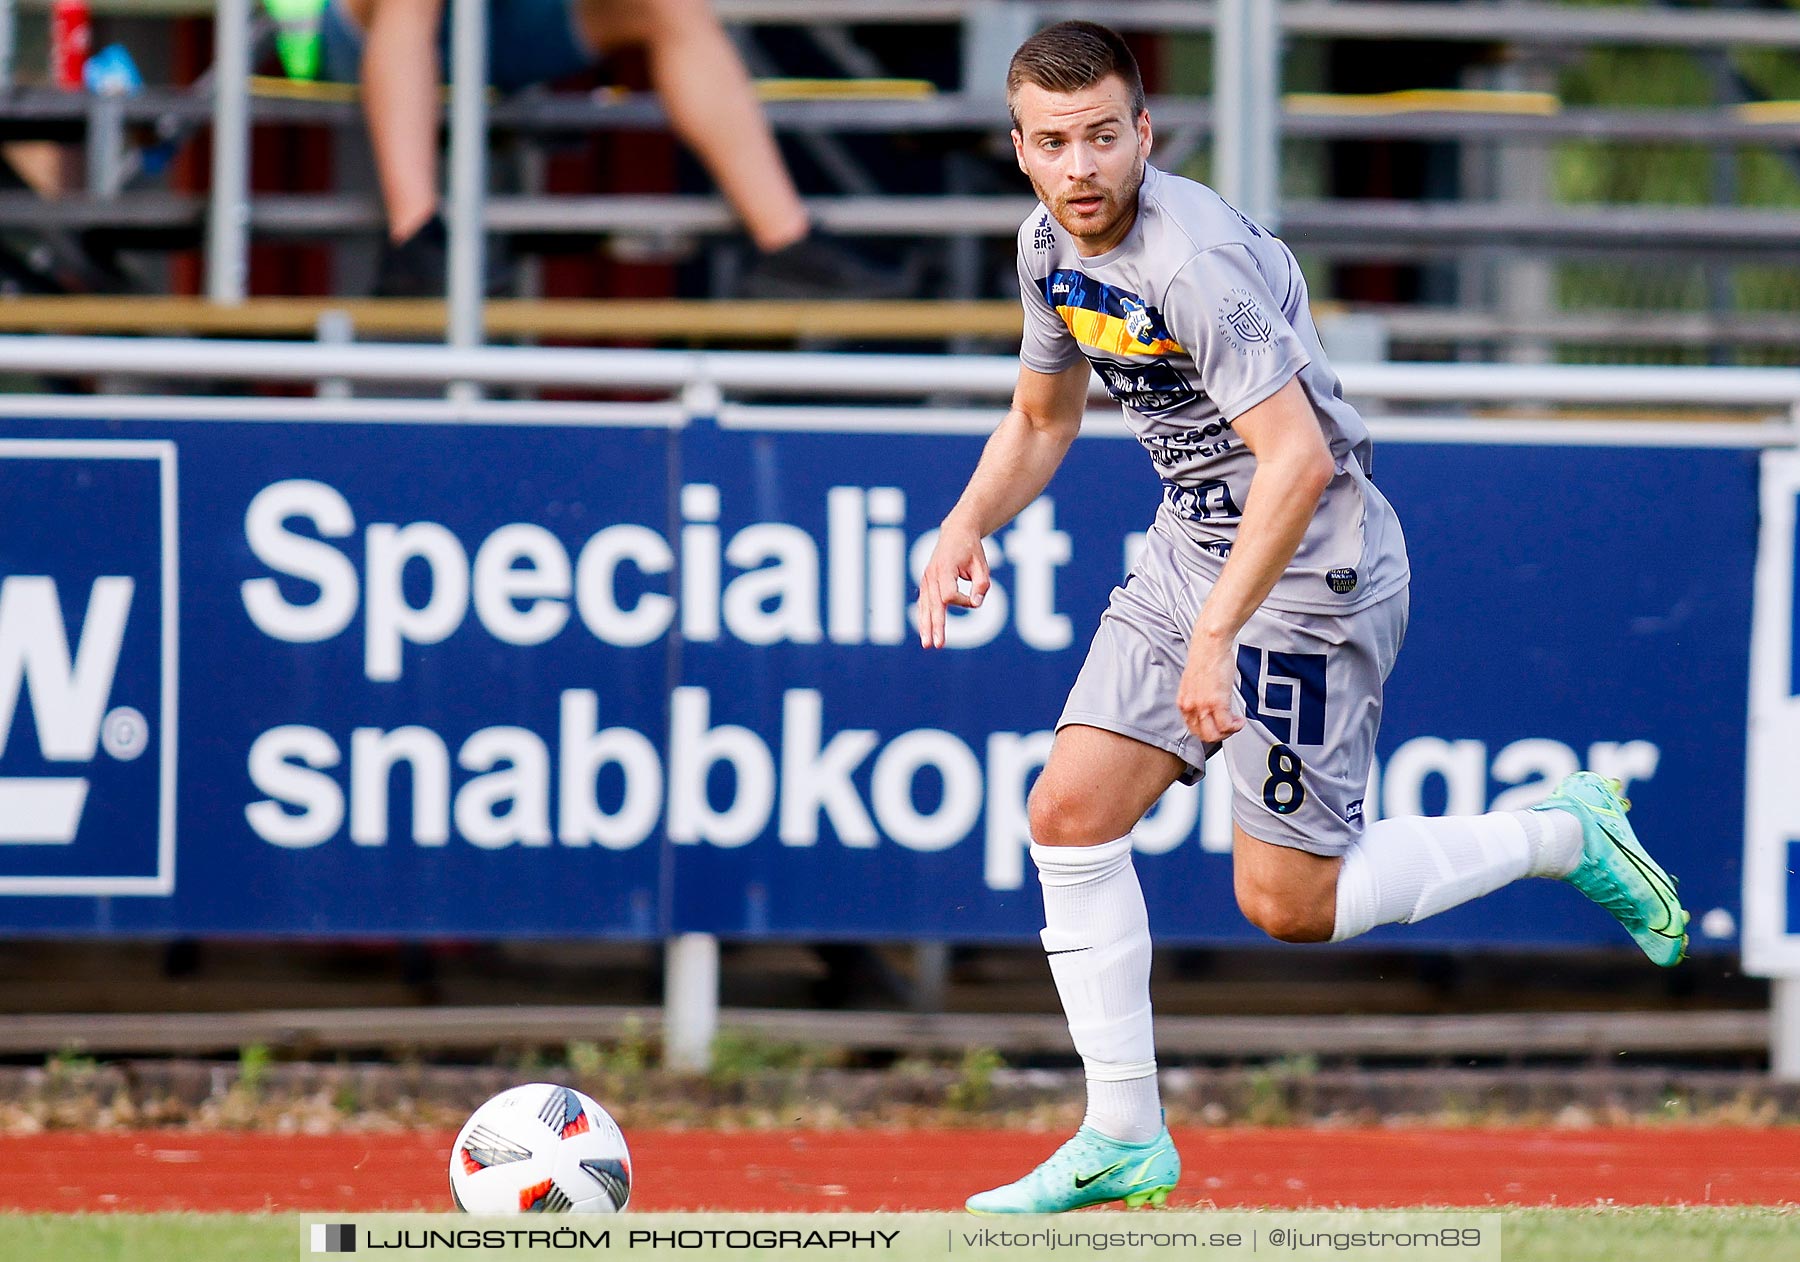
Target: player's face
1084,155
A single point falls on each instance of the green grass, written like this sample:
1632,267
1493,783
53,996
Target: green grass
148,1237
1653,1235
1532,1235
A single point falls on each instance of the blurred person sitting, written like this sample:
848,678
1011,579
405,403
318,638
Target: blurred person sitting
397,48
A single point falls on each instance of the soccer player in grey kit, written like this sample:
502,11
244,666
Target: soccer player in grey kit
1262,617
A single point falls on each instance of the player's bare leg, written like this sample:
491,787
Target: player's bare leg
1403,870
1096,786
1094,789
1289,894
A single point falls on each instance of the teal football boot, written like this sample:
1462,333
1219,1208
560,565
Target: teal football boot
1616,872
1089,1170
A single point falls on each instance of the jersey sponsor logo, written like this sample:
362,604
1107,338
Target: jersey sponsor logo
1203,501
1244,324
1042,236
1169,450
1148,389
1342,581
1105,317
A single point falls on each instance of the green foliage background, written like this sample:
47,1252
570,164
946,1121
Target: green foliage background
1609,173
1593,173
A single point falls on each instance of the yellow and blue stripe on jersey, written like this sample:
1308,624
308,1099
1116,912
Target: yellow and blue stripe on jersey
1106,318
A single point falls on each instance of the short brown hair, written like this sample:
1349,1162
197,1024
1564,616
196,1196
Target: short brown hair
1071,56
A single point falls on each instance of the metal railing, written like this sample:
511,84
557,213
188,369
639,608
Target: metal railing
1566,405
853,375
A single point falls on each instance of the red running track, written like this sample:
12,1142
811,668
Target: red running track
921,1170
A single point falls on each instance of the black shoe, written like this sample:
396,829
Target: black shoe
820,265
418,267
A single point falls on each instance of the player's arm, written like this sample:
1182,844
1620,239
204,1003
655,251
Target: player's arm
1021,455
1293,468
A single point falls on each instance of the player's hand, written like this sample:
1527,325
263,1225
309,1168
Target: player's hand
959,555
1204,697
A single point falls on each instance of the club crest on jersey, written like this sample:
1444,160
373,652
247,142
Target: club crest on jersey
1242,321
1042,238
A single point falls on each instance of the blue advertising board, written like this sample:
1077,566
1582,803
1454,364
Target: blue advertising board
493,681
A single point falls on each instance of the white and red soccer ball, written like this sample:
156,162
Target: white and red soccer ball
540,1149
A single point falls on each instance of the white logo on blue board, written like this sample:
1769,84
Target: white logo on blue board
69,696
87,667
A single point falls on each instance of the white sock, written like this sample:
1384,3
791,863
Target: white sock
1555,838
1129,1111
1402,870
1097,935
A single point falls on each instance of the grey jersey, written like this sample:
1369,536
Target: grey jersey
1195,318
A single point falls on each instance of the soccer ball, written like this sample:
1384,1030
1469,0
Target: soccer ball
540,1149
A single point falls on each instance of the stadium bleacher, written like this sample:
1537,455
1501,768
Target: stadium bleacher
1374,87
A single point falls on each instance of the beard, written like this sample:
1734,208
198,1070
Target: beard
1117,204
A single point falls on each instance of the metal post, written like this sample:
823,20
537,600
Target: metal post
1247,107
9,38
468,175
228,223
1721,275
992,29
690,1001
1477,268
105,145
334,328
1526,283
931,975
962,253
1784,1029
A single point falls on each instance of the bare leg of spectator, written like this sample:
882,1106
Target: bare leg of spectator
400,85
712,105
705,90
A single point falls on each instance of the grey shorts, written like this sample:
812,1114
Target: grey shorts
1309,686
